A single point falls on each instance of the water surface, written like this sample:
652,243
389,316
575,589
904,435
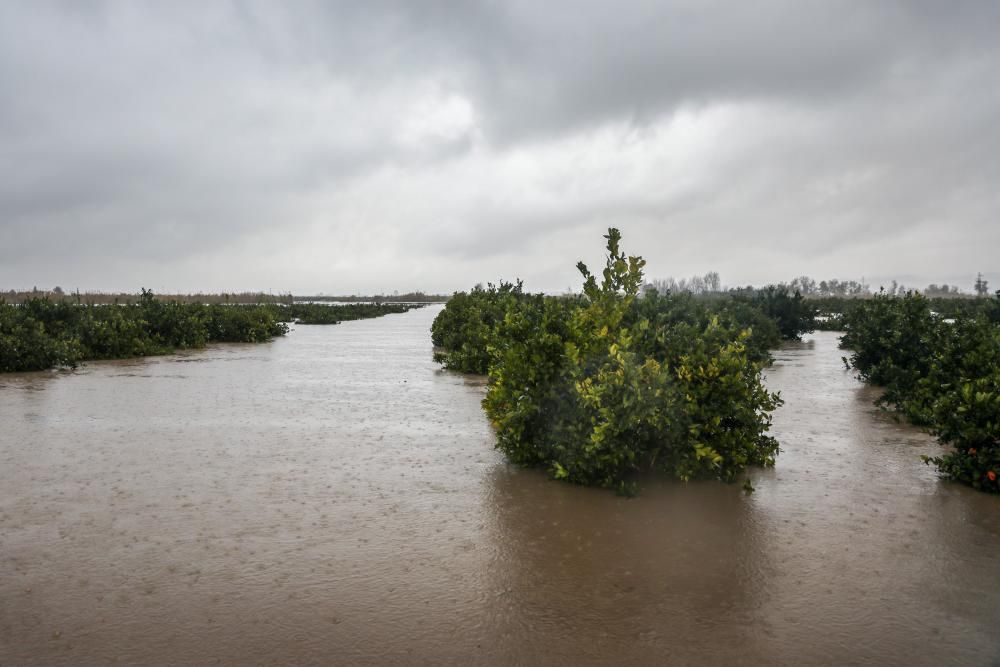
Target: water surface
334,497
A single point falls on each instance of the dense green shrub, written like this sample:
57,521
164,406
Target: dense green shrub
603,386
25,345
321,313
890,339
939,373
668,310
961,394
41,333
793,314
836,310
832,322
962,307
464,328
245,324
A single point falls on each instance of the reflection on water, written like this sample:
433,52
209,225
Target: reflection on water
580,573
333,496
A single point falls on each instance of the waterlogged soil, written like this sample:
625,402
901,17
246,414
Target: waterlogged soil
334,497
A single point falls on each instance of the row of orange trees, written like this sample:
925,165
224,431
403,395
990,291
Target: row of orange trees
328,313
598,387
940,372
42,333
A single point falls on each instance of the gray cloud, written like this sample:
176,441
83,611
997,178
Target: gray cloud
397,145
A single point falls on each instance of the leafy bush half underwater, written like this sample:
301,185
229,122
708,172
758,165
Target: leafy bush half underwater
40,333
597,388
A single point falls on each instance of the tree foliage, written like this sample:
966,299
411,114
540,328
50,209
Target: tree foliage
463,330
41,333
792,313
599,387
941,373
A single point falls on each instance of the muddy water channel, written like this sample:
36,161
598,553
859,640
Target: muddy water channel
334,498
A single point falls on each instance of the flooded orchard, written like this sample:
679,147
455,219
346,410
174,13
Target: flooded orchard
334,497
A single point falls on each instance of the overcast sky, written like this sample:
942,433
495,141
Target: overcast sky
379,146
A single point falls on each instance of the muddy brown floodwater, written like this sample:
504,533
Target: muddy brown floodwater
334,497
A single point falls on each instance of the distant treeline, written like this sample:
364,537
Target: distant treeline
711,283
42,332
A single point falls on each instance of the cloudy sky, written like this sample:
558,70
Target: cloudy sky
380,146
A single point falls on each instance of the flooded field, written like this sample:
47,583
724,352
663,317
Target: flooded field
333,497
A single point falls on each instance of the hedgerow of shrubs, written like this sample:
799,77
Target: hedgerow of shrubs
836,310
321,313
41,333
600,387
464,328
939,373
791,312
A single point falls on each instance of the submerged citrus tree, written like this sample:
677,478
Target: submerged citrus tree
597,388
940,373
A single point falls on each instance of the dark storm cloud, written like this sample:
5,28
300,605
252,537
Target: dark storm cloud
342,146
